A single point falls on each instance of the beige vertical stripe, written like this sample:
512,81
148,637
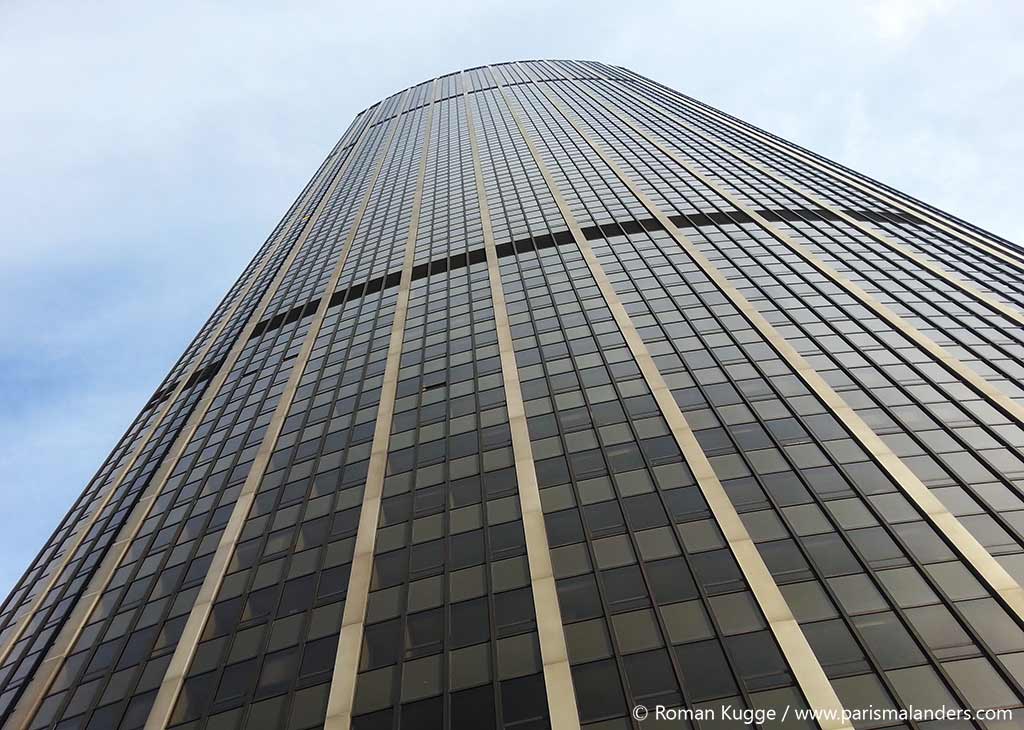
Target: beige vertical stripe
808,672
987,566
86,526
952,228
557,673
174,677
933,267
72,628
353,620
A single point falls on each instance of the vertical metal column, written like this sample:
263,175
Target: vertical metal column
807,670
174,677
554,655
353,620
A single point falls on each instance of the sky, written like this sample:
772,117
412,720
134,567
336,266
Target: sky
147,149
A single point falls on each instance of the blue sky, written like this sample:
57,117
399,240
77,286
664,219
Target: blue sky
146,150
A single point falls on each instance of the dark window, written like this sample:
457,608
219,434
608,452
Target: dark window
651,679
473,708
424,633
523,699
598,690
469,623
705,672
513,611
578,598
381,645
624,588
758,661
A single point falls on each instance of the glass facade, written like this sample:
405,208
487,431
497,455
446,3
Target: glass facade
557,395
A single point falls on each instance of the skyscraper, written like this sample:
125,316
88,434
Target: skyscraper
557,396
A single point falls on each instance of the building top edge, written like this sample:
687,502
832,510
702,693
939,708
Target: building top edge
483,66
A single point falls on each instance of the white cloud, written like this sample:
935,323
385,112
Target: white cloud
898,20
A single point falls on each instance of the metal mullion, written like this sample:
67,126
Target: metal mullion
346,668
489,596
75,569
57,552
799,544
522,207
294,211
109,465
902,389
305,275
809,675
356,405
915,277
491,613
403,618
265,252
290,551
446,567
338,149
616,657
813,567
172,544
396,703
968,233
914,366
558,682
704,596
174,677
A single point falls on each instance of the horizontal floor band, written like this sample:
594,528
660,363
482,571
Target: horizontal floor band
444,264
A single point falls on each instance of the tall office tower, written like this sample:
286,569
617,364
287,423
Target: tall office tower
557,393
